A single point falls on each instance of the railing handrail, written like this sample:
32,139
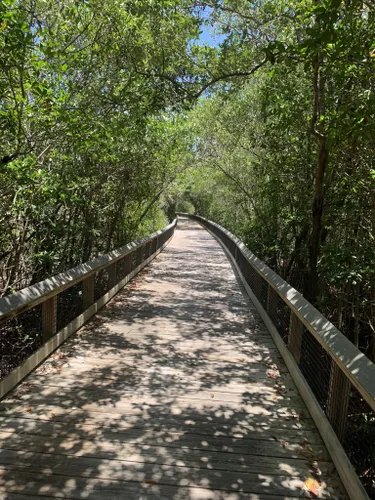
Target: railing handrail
359,369
31,296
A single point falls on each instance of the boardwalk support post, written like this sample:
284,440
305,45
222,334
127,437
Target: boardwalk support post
88,291
49,318
338,401
295,337
112,275
271,302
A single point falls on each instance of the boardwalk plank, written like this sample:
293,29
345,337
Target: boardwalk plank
159,416
251,463
126,443
156,484
200,428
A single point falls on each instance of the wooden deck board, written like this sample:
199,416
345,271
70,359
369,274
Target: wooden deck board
174,391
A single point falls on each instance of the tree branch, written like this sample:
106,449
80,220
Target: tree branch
228,76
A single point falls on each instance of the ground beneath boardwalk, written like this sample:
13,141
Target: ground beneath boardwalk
175,390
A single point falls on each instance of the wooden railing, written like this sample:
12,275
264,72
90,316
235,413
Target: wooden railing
37,319
336,380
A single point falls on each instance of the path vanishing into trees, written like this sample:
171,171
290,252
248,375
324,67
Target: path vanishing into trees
174,390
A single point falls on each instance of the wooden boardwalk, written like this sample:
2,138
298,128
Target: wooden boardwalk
174,391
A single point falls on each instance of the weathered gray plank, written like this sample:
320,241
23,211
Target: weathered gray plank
88,466
252,395
159,484
253,386
114,470
78,429
158,415
177,405
125,443
56,486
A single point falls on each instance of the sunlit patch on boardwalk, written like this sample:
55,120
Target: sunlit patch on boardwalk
175,390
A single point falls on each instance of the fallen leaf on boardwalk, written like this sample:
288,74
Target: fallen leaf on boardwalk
304,443
212,395
150,482
28,409
59,356
284,443
281,391
305,453
274,397
315,468
56,366
44,370
312,485
53,415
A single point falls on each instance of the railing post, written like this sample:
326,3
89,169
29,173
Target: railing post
271,303
88,291
154,244
295,336
338,400
49,318
128,263
111,275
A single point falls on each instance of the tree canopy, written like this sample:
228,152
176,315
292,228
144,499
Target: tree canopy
114,115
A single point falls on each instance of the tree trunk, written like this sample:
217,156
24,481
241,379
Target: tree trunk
318,130
317,221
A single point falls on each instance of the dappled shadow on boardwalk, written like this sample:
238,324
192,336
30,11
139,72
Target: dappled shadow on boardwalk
175,390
